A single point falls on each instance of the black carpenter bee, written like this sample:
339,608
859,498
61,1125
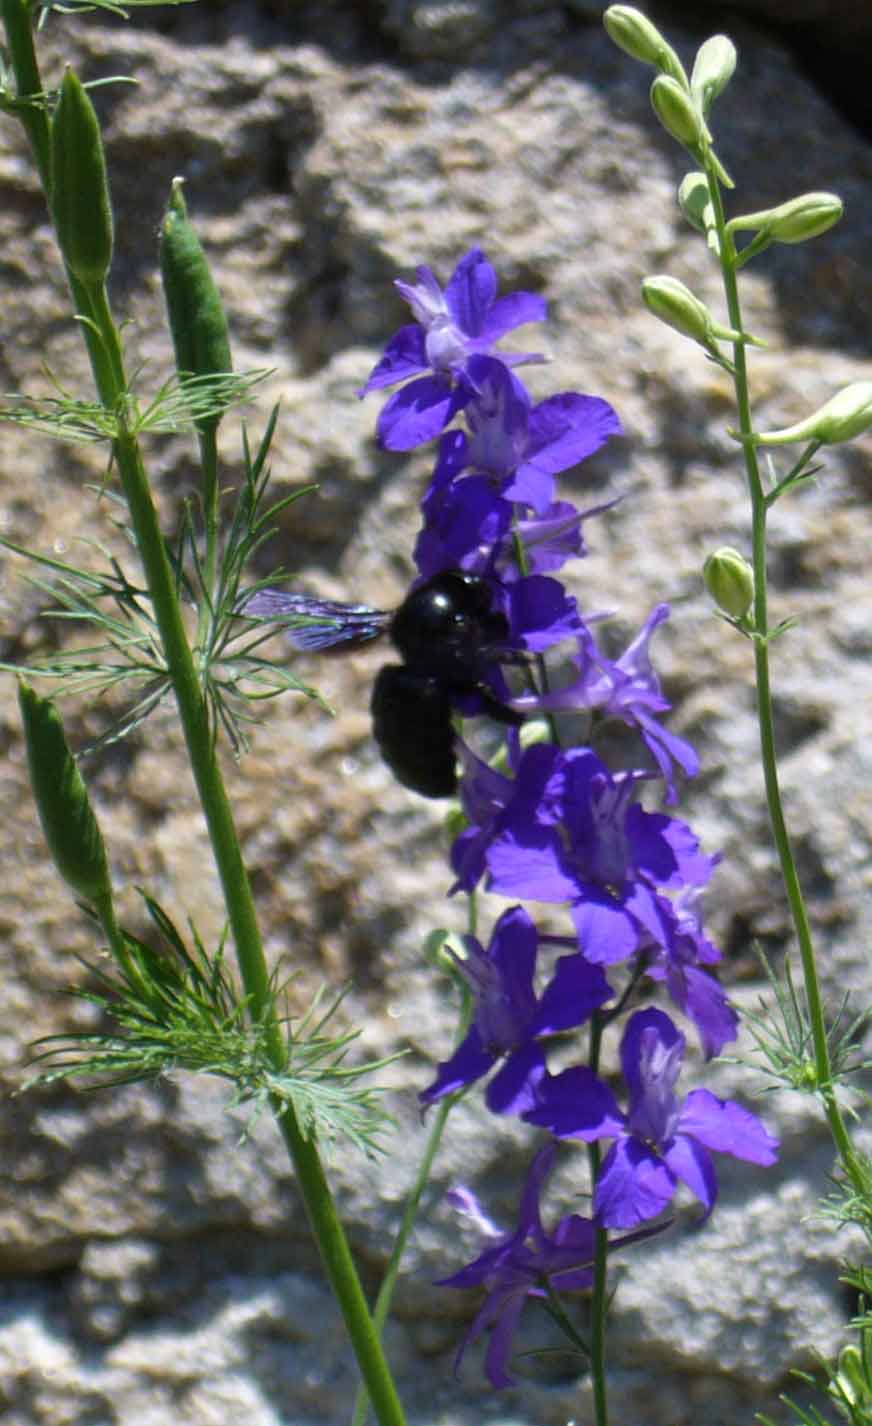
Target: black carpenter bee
447,634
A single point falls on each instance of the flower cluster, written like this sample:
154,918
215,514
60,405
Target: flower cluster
550,823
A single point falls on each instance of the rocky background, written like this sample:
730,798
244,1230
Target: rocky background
154,1265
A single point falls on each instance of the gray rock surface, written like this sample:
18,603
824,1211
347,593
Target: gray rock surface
155,1267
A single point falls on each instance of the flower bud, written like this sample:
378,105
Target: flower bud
844,416
196,313
729,580
80,202
794,221
676,111
633,32
695,202
674,303
62,801
712,70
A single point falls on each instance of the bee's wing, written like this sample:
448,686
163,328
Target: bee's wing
314,624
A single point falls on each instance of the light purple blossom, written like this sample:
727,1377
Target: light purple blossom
627,688
451,326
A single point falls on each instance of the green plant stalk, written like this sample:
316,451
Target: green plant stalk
410,1213
19,38
759,510
243,922
211,516
111,384
600,1300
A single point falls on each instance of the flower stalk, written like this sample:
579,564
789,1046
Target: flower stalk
86,268
765,717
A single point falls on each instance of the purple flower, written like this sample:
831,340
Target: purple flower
662,1139
493,803
628,689
450,327
519,446
677,963
509,1017
607,858
519,1264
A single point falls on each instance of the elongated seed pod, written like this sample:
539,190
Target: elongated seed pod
80,201
196,313
65,811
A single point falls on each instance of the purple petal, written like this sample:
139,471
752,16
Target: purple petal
651,1052
690,1162
419,413
513,1089
701,997
404,356
514,310
468,1063
471,291
634,1185
728,1127
541,613
577,1105
575,990
606,932
531,869
500,1345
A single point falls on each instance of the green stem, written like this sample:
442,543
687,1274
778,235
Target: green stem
19,39
243,923
759,510
410,1213
211,513
106,359
600,1301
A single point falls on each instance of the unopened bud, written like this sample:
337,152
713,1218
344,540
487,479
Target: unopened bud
729,580
844,416
713,69
62,801
676,111
674,303
800,218
634,33
695,200
80,189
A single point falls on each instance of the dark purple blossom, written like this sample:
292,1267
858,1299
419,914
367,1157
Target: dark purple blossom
518,1266
450,327
662,1139
509,1017
607,860
494,803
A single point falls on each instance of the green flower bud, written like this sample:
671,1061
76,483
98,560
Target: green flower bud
695,201
677,112
674,303
196,313
844,416
62,801
713,69
633,32
79,187
729,580
794,221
